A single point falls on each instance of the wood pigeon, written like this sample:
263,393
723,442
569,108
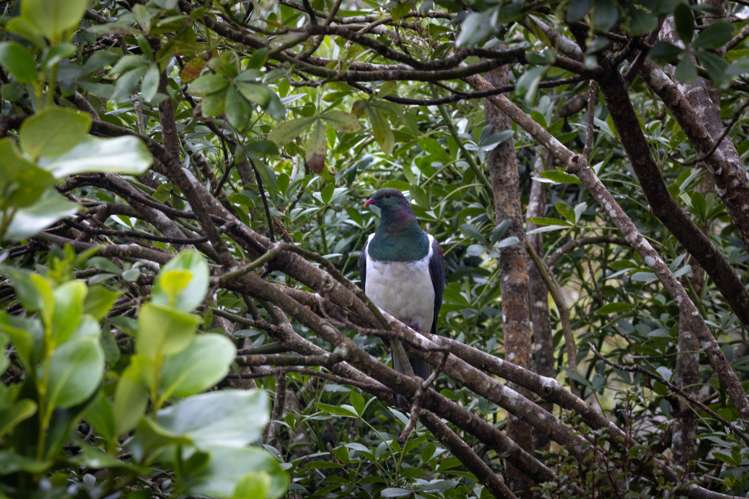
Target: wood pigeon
403,270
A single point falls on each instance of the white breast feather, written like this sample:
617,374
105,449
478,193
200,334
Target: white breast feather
403,289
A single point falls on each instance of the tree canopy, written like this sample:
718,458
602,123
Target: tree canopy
181,216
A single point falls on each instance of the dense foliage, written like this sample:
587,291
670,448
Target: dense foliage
181,215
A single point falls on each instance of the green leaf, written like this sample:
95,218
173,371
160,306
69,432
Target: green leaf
12,415
395,492
714,36
233,470
275,107
343,410
605,14
253,485
237,109
557,176
53,131
37,217
212,105
4,361
10,462
100,415
75,370
230,418
316,146
208,84
641,22
201,365
343,122
53,17
18,61
128,62
126,155
189,296
578,9
255,92
715,65
99,301
664,52
381,129
684,22
528,83
474,29
26,29
287,131
68,312
127,83
22,339
21,181
130,396
686,70
164,330
150,84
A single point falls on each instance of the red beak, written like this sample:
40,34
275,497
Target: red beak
368,202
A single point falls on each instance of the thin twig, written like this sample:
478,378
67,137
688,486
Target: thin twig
418,398
639,369
561,302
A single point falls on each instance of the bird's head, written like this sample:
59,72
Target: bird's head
393,205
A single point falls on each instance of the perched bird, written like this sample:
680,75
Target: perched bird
403,271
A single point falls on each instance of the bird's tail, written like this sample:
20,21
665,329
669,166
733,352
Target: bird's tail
421,368
418,366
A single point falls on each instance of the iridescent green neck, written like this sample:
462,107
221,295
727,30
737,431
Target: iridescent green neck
402,242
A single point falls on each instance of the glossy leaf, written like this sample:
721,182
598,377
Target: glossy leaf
164,330
208,84
22,181
75,370
198,367
185,289
68,310
12,415
230,418
714,36
228,472
53,17
18,61
33,219
130,397
125,155
53,131
684,22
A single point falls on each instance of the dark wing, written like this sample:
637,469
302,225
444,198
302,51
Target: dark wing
437,273
363,267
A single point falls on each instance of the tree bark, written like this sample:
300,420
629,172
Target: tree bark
538,295
576,164
664,207
513,262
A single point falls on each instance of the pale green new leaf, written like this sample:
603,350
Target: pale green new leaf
191,292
